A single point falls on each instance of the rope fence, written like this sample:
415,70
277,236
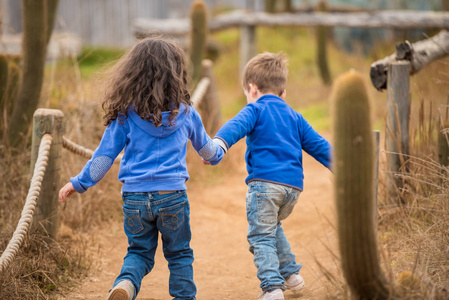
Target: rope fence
28,210
48,130
200,91
82,151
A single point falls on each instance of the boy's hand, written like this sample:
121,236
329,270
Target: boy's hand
205,162
67,191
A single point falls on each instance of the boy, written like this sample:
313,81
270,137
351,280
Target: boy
276,136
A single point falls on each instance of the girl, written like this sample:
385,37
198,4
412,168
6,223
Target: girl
148,113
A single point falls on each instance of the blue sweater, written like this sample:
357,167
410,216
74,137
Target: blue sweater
154,157
276,136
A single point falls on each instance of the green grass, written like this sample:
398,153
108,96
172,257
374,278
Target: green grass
317,115
93,59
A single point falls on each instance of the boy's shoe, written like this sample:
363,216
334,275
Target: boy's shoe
276,294
124,290
294,283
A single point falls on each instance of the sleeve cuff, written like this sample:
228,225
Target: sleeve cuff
221,143
77,186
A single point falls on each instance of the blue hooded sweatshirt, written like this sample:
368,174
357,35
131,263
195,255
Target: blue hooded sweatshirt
154,157
275,137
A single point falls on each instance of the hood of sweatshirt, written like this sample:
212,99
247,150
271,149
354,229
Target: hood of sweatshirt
165,129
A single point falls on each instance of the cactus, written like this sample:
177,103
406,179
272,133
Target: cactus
198,36
354,169
14,72
3,80
52,7
9,80
270,6
321,38
36,27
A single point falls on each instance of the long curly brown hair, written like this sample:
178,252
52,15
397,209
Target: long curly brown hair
150,78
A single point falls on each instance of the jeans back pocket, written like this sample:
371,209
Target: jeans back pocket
173,216
132,220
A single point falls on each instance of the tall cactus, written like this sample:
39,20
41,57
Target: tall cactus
36,33
9,81
14,73
270,6
321,43
354,163
3,79
198,36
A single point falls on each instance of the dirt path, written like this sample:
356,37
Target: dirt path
223,265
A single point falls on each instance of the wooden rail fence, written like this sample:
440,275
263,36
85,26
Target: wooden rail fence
247,21
393,73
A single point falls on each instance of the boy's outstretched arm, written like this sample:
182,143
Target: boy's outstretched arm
237,128
314,144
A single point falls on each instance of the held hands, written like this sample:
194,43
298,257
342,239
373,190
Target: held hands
67,191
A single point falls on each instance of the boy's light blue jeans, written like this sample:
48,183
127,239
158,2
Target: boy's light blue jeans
266,205
145,215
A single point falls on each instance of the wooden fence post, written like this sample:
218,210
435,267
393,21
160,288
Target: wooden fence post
247,40
46,215
443,144
210,106
398,121
247,44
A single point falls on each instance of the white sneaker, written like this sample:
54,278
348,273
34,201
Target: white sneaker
276,294
294,283
124,290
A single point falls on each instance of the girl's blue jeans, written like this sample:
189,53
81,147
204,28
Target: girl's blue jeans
145,215
266,205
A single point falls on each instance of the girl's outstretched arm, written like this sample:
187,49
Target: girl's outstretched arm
112,143
209,151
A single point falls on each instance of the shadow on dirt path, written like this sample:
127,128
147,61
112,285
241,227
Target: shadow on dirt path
223,265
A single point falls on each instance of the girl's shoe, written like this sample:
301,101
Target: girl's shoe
294,283
273,295
124,290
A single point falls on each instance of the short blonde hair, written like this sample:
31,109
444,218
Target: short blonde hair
268,71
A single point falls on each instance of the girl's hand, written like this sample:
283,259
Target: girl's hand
67,191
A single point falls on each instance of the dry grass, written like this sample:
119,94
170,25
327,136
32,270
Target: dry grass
42,266
415,236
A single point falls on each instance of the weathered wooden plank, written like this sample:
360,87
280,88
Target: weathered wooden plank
419,54
398,121
46,214
393,19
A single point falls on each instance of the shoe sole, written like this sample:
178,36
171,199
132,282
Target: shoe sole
297,288
118,294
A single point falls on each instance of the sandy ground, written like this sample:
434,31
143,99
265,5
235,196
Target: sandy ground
223,265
